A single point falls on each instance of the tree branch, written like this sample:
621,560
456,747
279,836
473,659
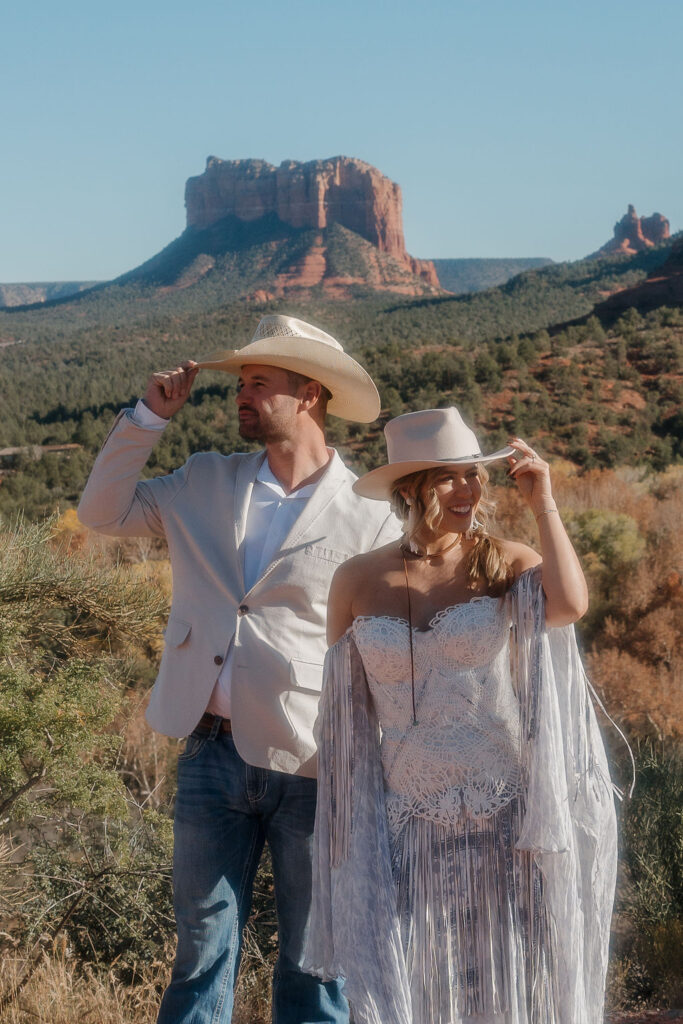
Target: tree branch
32,781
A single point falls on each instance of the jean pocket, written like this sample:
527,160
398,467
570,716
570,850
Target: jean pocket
194,744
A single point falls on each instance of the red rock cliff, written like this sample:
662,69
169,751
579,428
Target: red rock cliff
316,194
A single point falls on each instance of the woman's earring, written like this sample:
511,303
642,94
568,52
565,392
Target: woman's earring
411,524
474,526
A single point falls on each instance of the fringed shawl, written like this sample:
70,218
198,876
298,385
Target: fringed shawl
569,826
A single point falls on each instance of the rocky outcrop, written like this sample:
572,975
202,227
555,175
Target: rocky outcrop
654,229
424,269
317,194
634,234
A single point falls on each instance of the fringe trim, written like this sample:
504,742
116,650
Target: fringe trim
475,932
336,746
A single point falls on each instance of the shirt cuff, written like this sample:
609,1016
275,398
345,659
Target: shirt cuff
144,417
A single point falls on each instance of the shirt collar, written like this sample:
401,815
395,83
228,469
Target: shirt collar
266,477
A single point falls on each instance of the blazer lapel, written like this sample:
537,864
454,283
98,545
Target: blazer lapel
244,485
335,477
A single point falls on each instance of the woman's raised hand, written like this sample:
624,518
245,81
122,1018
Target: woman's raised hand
566,594
532,475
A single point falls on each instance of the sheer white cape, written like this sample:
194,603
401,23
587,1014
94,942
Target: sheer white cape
569,826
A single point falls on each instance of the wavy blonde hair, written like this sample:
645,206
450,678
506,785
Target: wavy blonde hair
486,561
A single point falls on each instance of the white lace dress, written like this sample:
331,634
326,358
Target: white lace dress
465,864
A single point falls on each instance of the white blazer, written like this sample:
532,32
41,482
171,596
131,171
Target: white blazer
279,625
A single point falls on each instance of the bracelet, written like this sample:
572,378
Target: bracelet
546,512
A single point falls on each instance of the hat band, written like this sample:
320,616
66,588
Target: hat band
446,462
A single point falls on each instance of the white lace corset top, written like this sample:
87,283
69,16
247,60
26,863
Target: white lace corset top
462,758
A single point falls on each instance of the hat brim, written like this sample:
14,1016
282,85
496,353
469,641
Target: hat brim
354,395
379,483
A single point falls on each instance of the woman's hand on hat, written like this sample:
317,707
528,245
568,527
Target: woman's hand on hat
532,475
168,390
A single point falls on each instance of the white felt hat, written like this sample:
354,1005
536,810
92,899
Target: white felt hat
295,345
424,440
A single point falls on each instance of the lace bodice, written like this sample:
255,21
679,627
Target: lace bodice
463,757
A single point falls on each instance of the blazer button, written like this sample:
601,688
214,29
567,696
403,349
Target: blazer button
243,609
218,660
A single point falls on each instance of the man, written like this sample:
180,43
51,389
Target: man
254,541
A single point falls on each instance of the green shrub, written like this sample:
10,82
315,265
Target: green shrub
652,899
93,866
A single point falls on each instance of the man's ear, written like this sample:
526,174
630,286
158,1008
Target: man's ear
312,392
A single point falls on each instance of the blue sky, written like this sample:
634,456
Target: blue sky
514,129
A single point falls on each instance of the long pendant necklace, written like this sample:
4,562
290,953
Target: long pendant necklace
410,631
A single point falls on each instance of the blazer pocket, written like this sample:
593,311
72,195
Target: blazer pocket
306,675
176,632
328,554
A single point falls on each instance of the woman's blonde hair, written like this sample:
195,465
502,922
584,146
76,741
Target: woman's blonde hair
486,561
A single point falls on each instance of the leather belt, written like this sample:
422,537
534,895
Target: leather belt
207,722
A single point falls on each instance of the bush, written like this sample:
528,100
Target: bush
94,866
653,897
607,542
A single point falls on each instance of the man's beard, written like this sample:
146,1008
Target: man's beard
255,429
251,429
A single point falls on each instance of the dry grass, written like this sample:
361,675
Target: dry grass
64,992
61,992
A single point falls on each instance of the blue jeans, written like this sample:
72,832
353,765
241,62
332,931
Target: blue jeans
225,811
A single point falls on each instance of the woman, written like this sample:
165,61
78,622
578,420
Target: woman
465,861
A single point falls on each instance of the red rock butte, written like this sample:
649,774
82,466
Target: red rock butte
634,234
316,194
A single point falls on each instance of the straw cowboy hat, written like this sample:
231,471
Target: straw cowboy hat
424,440
295,345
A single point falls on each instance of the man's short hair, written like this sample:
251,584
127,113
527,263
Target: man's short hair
297,380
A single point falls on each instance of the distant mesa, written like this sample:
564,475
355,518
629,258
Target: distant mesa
464,276
30,294
633,234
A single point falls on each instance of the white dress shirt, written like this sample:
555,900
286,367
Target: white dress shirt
271,515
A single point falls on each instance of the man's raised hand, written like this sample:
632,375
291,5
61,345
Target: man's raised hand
168,390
